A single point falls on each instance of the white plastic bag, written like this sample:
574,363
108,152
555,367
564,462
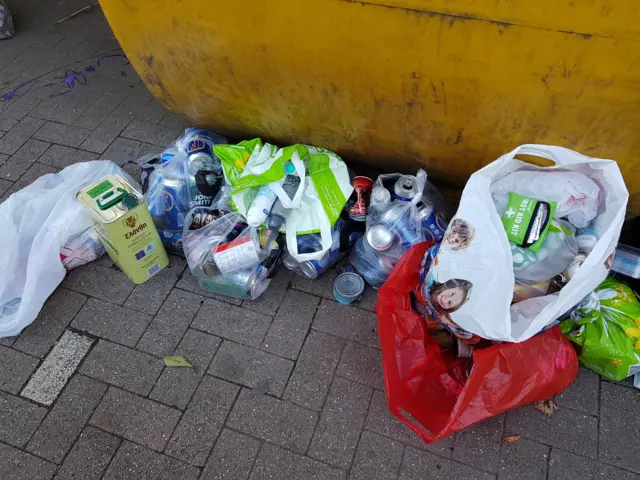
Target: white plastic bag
35,223
485,266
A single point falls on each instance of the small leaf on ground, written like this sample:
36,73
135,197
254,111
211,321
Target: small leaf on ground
177,361
511,438
548,407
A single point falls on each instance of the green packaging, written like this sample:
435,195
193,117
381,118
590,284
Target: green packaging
527,220
606,329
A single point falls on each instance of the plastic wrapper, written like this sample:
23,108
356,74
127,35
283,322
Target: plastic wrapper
523,290
188,175
80,249
391,227
559,249
606,328
435,393
578,197
226,256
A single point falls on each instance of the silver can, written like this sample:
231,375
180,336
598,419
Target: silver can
405,188
380,238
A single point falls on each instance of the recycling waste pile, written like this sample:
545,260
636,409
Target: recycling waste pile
468,304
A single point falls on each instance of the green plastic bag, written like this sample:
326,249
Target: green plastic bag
606,327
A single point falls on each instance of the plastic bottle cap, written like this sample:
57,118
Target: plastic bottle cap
130,201
289,168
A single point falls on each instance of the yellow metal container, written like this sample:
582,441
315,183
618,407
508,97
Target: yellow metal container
125,227
446,84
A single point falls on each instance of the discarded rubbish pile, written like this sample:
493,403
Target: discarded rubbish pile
466,309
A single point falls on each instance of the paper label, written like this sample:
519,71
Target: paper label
236,255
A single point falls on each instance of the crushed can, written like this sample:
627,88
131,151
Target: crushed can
125,227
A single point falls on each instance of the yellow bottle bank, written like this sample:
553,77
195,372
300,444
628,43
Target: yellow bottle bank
125,227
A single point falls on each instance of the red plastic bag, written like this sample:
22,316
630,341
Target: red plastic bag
429,390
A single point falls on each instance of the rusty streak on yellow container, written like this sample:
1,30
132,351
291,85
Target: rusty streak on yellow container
448,84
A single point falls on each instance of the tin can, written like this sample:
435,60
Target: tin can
433,223
240,253
405,188
125,227
168,154
201,216
380,238
312,269
348,287
168,202
362,189
241,284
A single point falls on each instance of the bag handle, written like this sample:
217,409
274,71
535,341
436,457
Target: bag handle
326,239
559,155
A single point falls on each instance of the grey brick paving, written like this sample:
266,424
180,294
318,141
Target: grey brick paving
58,432
363,364
619,433
524,459
479,445
582,395
38,338
90,456
566,429
231,322
20,161
343,416
312,376
416,464
269,301
100,282
290,324
201,423
60,156
135,418
18,465
355,324
123,367
15,369
566,466
176,385
62,134
19,134
232,457
273,420
279,464
377,458
135,462
168,327
115,323
280,385
18,419
261,371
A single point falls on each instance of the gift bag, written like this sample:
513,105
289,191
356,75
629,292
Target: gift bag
475,264
606,328
433,392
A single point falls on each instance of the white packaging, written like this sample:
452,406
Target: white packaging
261,206
484,267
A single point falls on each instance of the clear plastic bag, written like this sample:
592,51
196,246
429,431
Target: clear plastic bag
6,21
187,175
226,255
392,226
559,249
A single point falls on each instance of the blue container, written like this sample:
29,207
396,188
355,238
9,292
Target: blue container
369,263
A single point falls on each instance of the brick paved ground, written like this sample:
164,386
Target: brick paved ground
289,386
